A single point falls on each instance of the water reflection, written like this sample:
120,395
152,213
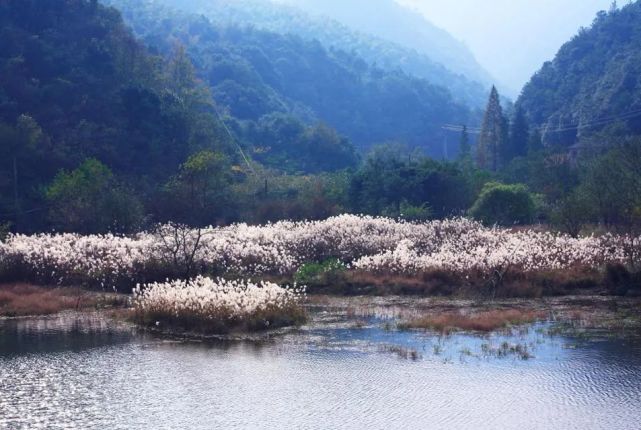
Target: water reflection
336,373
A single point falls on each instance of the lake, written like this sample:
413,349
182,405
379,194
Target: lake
343,370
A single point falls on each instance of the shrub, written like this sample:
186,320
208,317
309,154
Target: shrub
572,214
504,204
4,231
89,199
320,273
620,281
416,213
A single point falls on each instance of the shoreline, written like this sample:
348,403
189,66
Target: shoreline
435,314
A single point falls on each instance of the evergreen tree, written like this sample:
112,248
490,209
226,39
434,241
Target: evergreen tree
465,149
535,142
493,133
519,136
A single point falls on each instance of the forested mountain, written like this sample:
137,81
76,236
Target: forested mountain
76,85
256,74
388,20
95,130
593,84
423,54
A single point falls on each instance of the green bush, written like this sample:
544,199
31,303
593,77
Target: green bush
5,228
504,204
315,273
89,199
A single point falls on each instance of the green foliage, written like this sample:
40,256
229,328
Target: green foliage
314,273
465,148
517,144
288,145
592,82
504,204
572,213
428,54
91,91
88,199
253,73
612,184
271,196
388,180
416,213
493,137
5,228
197,194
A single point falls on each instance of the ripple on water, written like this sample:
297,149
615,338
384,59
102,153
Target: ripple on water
53,376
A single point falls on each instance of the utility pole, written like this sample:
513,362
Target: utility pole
16,204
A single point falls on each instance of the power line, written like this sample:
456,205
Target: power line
602,121
233,139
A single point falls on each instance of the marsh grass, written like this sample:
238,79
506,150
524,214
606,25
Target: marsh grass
486,321
221,322
209,306
30,300
472,284
401,352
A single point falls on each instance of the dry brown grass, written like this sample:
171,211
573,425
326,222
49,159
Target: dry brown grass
25,299
486,321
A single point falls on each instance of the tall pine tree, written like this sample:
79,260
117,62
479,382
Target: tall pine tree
519,134
465,149
493,134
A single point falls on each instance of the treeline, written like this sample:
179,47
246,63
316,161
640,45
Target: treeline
532,181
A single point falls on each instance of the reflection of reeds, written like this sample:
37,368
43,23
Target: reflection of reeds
506,349
482,322
401,352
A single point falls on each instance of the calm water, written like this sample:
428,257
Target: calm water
71,372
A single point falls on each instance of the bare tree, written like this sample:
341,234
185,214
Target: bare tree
179,244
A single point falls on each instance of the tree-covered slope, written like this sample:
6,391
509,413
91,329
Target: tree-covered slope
389,20
423,58
256,73
78,73
75,85
593,82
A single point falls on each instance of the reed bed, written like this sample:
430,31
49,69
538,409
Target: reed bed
217,306
376,246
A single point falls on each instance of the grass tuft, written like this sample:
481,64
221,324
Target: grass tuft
487,321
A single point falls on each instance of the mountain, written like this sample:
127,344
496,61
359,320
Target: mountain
255,74
388,20
466,81
593,84
76,85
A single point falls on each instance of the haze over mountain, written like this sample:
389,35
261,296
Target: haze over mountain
391,21
511,38
258,76
419,49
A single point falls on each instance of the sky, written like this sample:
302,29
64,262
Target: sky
511,39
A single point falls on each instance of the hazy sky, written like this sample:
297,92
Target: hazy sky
511,38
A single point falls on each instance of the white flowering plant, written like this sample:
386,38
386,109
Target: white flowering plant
215,306
362,243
